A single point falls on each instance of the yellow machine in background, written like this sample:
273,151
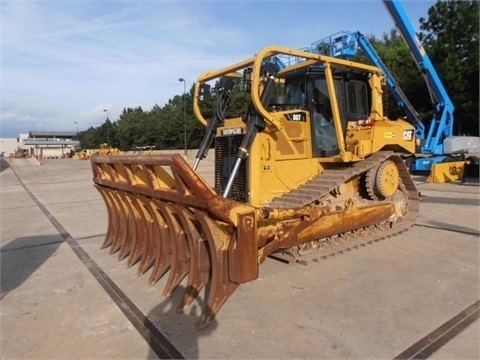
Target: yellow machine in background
446,172
465,171
82,155
309,169
104,150
22,153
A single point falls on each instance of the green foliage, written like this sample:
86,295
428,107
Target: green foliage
163,127
450,37
393,51
94,137
135,128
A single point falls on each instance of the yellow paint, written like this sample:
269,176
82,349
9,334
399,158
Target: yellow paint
446,172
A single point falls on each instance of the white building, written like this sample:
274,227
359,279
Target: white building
9,146
51,144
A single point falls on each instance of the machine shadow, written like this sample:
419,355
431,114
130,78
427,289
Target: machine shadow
3,164
452,201
179,327
451,227
20,258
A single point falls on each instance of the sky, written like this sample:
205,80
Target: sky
64,62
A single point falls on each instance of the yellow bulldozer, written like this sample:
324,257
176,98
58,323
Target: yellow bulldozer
104,150
311,168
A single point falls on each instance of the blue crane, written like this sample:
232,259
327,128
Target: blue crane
439,142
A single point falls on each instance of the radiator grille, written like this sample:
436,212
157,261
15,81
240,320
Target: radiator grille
226,148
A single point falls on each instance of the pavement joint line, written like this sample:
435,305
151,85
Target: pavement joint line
426,346
154,338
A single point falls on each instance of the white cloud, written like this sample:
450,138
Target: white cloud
65,61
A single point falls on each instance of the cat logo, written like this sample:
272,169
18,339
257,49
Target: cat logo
408,135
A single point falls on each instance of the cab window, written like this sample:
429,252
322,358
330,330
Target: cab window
357,99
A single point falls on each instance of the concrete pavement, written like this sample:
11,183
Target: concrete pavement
370,303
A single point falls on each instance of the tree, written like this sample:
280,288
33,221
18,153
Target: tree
393,51
136,128
90,139
450,37
171,124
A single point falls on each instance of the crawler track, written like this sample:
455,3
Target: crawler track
329,180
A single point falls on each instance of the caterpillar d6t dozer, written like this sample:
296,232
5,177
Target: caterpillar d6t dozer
310,168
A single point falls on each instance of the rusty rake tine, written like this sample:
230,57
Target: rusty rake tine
221,287
199,271
162,255
122,223
147,244
127,241
115,228
112,218
179,256
138,233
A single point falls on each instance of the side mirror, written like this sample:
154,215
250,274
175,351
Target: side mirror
205,93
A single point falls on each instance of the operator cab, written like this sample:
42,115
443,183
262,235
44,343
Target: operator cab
308,90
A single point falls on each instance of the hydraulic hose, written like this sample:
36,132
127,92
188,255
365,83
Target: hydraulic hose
254,124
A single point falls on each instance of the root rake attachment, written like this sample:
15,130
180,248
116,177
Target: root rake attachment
162,216
165,217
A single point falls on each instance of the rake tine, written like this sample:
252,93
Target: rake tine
116,219
139,232
148,243
112,218
122,223
127,242
221,287
179,258
199,272
162,254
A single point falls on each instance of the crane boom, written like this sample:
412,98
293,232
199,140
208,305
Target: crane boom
392,85
442,123
344,45
439,142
